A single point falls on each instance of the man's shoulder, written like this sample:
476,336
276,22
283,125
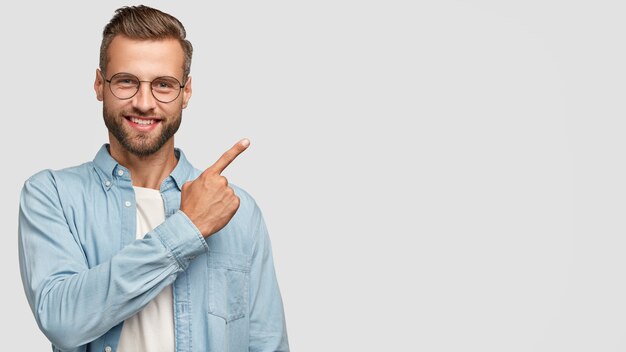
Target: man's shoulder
242,231
247,203
77,173
248,215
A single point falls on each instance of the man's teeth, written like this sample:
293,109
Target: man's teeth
141,121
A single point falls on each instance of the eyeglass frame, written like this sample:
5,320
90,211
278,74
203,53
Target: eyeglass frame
181,86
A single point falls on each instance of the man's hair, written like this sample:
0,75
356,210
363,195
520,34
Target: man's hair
145,23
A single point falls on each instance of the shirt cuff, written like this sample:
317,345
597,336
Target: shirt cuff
181,238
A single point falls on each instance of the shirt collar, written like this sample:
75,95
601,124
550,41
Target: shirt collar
182,173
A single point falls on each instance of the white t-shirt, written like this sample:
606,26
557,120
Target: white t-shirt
152,328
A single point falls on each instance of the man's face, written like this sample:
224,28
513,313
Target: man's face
142,124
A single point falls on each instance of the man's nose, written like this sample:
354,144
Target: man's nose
144,100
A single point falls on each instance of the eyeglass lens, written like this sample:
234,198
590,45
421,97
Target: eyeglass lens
164,89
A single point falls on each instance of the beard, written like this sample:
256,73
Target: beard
141,144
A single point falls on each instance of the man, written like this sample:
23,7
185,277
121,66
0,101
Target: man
137,250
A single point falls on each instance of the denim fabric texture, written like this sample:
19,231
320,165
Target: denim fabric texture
84,272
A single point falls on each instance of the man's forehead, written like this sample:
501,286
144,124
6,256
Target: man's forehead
160,54
124,43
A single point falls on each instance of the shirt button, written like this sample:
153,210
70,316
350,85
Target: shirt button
127,203
107,183
120,172
108,349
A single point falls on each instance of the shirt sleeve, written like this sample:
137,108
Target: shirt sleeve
74,304
268,330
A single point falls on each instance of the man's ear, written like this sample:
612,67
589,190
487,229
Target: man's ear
187,92
98,85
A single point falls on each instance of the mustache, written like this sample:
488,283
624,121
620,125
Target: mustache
139,113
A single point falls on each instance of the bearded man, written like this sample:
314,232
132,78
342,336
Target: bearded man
137,250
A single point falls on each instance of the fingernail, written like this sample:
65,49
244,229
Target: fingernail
245,142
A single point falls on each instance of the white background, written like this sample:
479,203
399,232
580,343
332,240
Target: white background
435,176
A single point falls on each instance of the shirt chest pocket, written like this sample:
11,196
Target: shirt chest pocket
228,285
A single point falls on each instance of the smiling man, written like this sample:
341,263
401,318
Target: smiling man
137,250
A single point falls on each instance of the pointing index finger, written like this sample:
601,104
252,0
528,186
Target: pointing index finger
220,165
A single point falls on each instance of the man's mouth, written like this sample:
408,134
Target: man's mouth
142,121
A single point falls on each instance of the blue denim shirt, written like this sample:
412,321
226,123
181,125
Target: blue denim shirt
84,272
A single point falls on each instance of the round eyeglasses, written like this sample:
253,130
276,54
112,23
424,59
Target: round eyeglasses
125,85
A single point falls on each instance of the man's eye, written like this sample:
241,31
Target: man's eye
126,82
164,84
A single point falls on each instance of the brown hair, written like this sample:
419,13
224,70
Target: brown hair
145,23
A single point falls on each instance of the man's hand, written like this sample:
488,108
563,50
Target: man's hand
208,201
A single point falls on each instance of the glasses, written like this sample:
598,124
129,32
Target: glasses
125,86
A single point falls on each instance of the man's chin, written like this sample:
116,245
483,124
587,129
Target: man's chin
139,143
142,150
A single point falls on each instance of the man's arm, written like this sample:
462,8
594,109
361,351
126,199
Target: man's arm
74,304
268,331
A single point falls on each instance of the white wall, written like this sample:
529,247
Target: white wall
436,176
